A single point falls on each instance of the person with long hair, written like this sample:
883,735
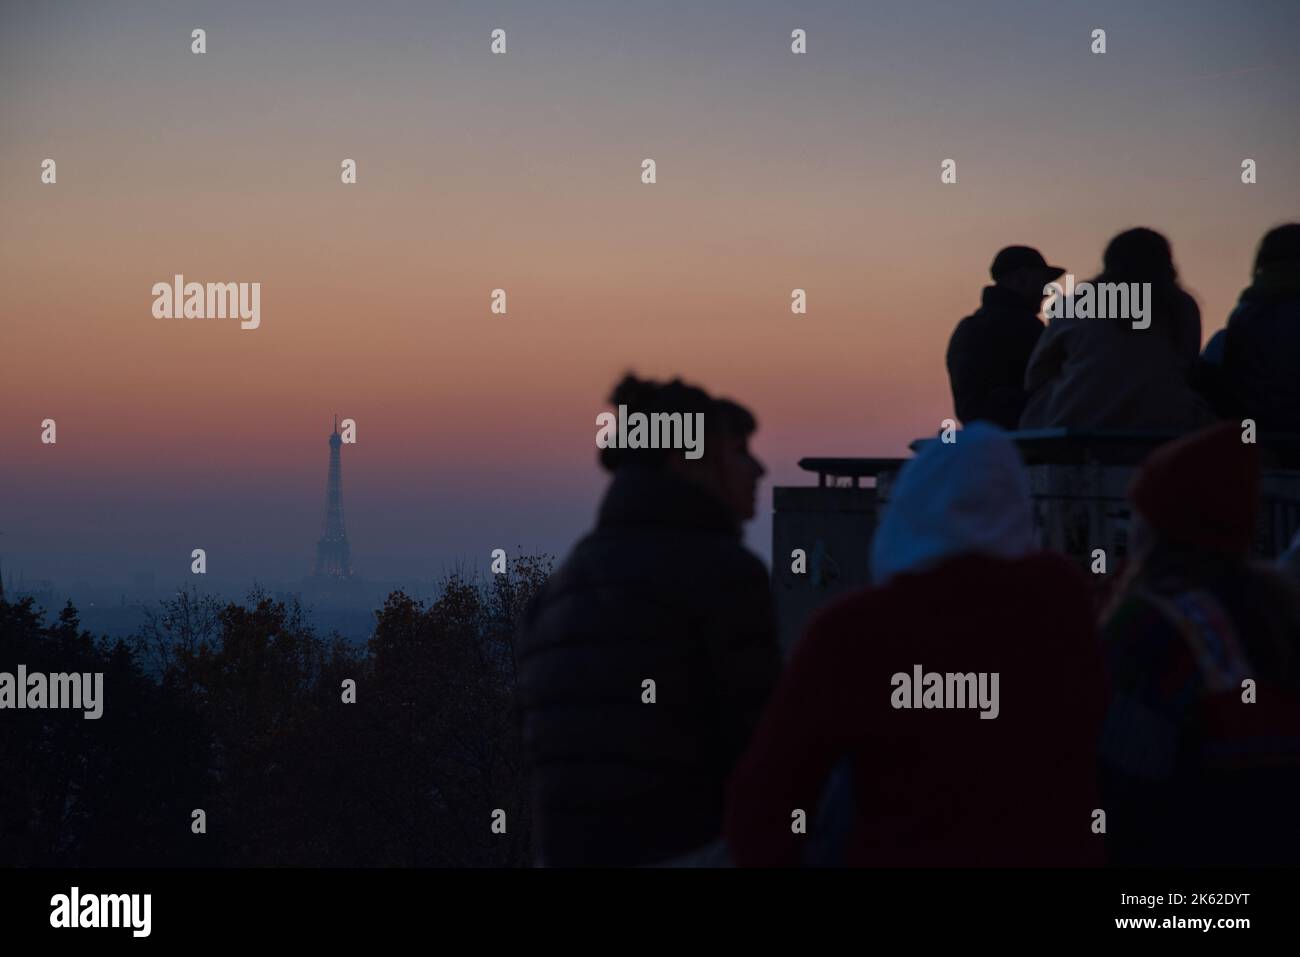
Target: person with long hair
1115,372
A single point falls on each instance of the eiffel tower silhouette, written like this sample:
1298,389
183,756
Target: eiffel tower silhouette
333,555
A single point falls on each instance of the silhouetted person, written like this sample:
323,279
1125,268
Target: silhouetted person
1260,362
959,586
989,349
1193,772
661,590
1104,374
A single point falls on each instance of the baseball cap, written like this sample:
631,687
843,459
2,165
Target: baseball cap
1022,257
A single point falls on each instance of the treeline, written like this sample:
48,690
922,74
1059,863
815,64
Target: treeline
244,712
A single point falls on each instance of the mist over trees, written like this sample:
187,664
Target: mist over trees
242,710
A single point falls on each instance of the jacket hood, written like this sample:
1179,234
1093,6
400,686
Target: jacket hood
970,496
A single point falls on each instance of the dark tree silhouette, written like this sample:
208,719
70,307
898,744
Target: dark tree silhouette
238,709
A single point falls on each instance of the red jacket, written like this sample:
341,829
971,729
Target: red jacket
941,786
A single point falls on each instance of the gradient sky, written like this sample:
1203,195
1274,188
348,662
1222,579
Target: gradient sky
523,171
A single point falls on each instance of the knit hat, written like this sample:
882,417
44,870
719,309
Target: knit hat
1202,490
968,497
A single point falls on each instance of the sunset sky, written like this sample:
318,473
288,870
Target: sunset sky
522,171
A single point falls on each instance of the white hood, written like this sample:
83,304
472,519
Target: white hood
968,496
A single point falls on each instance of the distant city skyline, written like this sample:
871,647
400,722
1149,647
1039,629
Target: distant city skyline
775,171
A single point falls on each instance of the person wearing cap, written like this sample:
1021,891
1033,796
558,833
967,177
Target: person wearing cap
1261,343
1200,752
990,348
1110,374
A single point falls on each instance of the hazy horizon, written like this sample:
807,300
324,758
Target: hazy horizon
475,431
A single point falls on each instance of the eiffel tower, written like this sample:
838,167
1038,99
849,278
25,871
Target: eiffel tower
333,556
